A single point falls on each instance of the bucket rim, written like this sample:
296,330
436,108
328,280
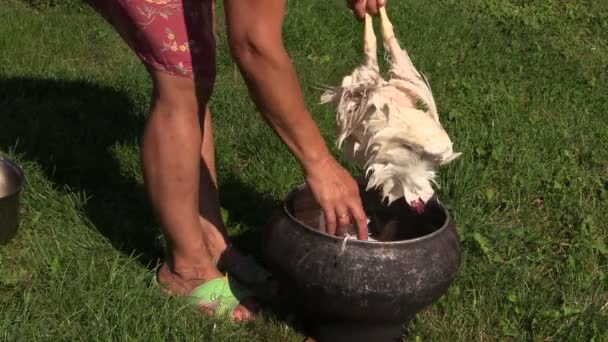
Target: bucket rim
448,222
7,162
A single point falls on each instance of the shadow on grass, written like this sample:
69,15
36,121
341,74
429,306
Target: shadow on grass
70,127
248,208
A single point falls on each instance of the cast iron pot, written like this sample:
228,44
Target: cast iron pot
361,290
12,180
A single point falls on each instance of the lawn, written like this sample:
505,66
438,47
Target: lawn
521,86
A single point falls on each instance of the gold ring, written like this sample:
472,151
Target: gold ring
343,216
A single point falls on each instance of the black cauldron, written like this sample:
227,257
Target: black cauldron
361,290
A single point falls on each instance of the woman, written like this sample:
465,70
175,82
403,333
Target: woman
175,39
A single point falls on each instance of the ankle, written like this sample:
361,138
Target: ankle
190,265
215,238
182,282
186,277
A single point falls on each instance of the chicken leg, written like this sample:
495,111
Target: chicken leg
404,69
369,44
399,57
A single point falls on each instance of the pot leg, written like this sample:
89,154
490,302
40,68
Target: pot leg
355,332
9,218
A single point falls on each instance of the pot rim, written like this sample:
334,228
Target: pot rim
6,162
291,194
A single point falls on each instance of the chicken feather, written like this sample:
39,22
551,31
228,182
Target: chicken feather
381,126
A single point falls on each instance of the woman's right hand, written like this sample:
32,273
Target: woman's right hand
337,192
360,7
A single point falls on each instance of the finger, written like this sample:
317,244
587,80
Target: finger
343,221
361,220
330,221
372,7
359,9
381,3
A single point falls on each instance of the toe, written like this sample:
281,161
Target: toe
247,309
208,309
238,314
245,314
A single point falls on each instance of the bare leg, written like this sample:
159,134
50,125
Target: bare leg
210,217
171,155
223,255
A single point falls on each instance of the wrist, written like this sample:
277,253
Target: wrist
305,140
312,160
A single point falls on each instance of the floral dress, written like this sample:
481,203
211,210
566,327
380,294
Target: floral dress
172,36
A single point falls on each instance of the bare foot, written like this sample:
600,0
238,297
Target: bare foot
182,284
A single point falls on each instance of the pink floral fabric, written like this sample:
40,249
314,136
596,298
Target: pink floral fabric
173,36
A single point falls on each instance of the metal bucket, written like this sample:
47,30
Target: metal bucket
12,180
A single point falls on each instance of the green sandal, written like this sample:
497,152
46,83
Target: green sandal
221,295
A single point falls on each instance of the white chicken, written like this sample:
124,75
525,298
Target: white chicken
391,128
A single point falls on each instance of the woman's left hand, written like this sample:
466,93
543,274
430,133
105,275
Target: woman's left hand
360,7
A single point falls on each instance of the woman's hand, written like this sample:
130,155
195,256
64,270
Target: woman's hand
360,7
337,192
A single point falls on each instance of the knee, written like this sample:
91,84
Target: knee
177,100
249,44
181,95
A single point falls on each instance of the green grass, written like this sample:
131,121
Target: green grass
521,87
